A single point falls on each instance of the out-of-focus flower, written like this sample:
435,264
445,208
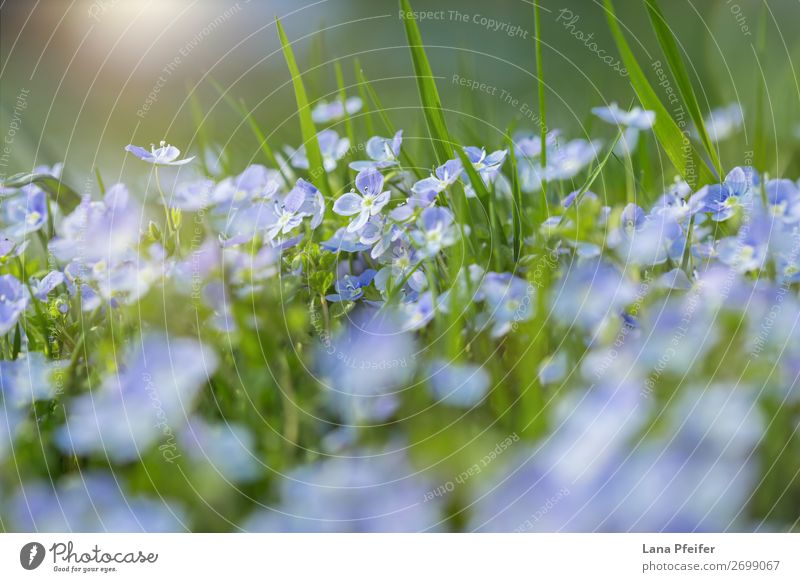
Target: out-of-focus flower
783,200
369,203
589,294
147,401
457,384
13,302
331,146
99,231
435,231
344,240
41,289
192,196
28,379
24,213
364,365
383,152
373,492
226,448
723,122
325,112
91,502
568,160
509,300
163,155
634,121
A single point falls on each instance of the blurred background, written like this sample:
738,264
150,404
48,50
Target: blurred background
83,78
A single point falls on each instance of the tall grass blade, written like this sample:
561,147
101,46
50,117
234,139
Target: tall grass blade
542,103
670,48
316,169
689,164
428,93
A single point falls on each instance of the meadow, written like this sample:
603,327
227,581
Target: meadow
441,328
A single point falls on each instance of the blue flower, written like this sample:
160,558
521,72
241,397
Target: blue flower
13,302
344,240
568,160
723,200
28,379
508,299
637,117
41,289
441,179
454,384
25,213
224,448
325,112
383,152
365,365
192,196
748,250
253,184
723,122
419,313
589,294
783,199
369,492
351,287
436,231
147,401
633,121
287,214
99,231
331,146
164,155
371,201
91,502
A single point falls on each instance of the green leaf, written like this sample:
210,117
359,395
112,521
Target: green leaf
50,184
428,93
316,168
670,48
689,164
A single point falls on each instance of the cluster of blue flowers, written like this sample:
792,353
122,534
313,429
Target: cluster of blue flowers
670,342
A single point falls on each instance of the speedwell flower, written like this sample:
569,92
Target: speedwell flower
372,199
163,155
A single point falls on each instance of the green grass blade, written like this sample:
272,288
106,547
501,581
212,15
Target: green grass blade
689,164
518,213
348,123
308,131
670,48
387,123
542,102
760,140
362,92
199,122
590,180
428,93
486,199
